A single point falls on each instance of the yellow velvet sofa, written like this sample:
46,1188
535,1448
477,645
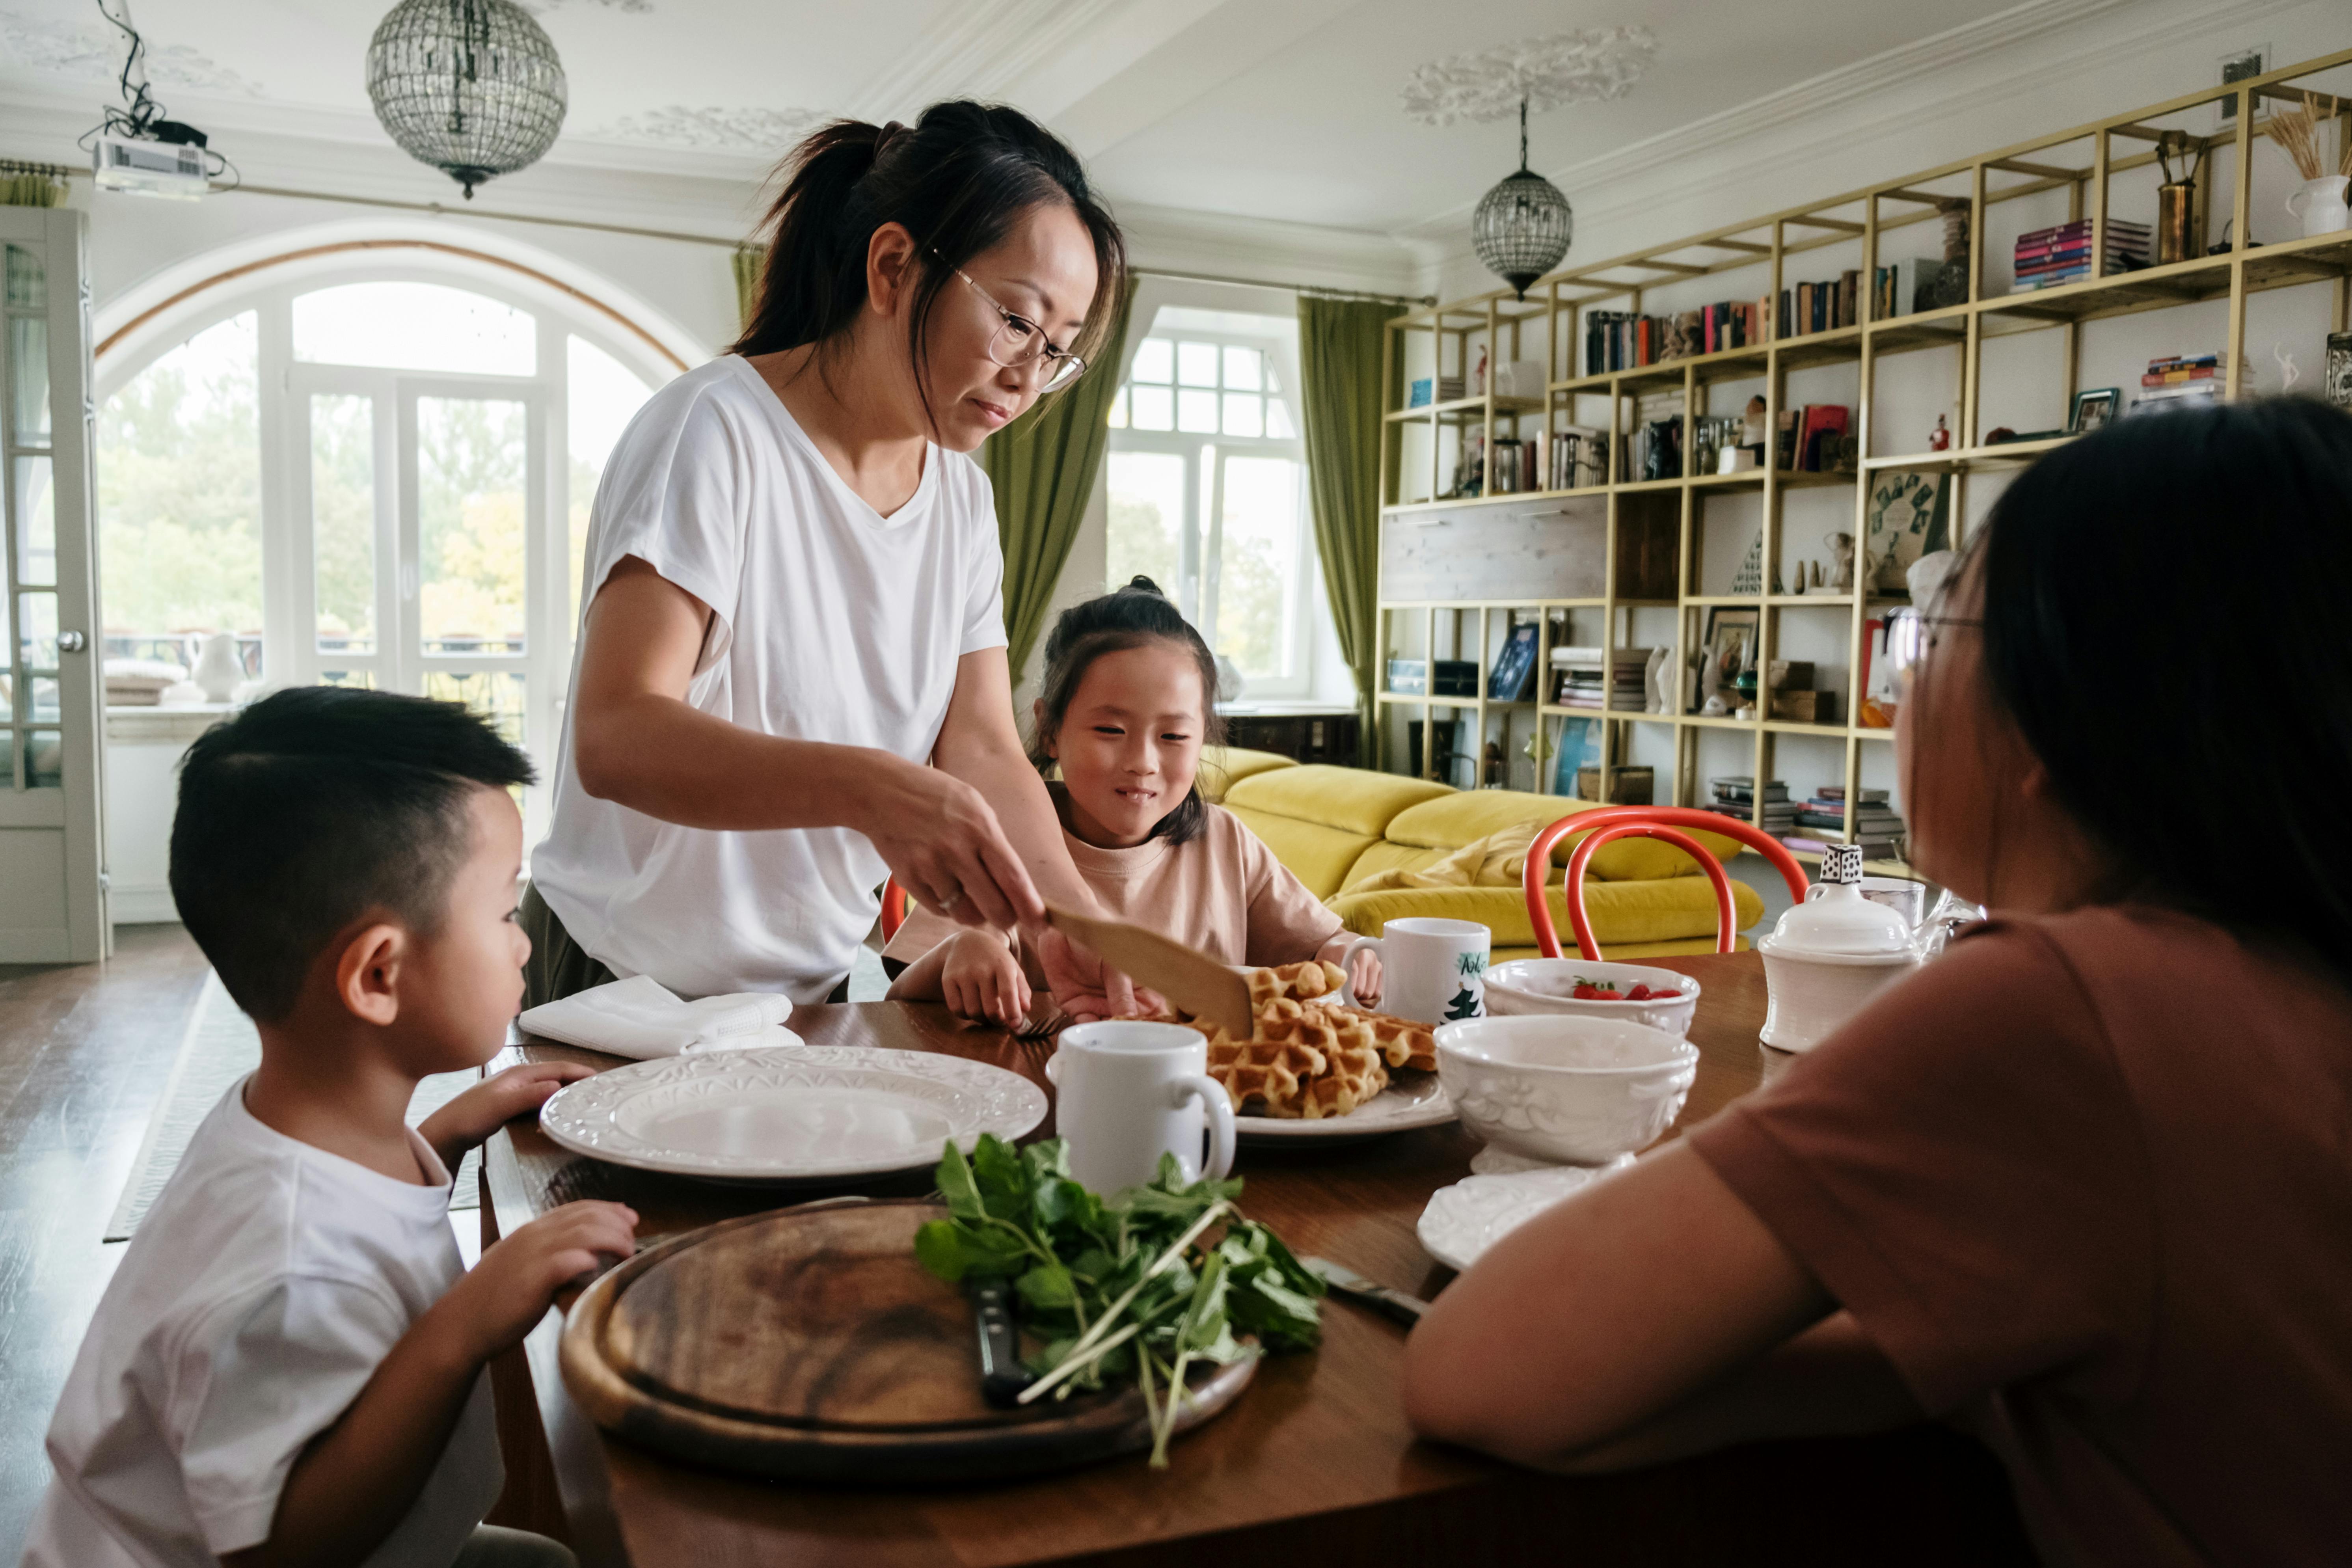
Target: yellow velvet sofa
1334,827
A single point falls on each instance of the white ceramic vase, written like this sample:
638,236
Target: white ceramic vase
218,669
2318,205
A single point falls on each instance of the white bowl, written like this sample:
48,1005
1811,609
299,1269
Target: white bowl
1522,987
1571,1091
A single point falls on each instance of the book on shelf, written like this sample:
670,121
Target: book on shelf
1741,787
1872,848
1806,443
1576,457
1623,339
1896,286
1821,306
2179,377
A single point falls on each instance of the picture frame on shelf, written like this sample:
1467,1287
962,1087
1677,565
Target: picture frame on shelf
1579,747
2093,407
1729,647
1513,677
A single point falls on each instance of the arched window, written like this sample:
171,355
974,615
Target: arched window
373,473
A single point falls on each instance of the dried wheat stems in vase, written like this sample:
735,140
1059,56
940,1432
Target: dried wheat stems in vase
2297,128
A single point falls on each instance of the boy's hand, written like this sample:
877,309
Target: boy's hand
1364,976
504,1296
465,1121
981,980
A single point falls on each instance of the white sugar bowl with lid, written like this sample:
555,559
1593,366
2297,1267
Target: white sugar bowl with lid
1830,955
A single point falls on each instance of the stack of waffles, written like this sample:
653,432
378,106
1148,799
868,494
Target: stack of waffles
1311,1055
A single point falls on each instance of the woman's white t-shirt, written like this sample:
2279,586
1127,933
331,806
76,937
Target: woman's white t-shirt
830,623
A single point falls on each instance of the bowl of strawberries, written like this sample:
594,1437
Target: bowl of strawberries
1631,993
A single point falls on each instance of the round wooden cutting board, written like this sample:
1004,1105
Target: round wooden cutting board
809,1343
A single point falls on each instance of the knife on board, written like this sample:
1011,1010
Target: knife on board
1001,1375
1192,981
1339,1276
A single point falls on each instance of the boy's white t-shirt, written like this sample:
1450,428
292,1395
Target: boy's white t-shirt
831,623
261,1291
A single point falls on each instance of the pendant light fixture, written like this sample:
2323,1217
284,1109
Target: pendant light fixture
1522,228
471,87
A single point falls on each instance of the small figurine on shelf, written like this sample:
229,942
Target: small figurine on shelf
1940,438
1841,549
1478,381
1751,428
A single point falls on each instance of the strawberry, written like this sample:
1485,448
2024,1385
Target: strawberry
1640,993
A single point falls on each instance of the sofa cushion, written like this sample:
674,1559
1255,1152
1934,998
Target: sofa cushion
1665,909
1222,767
1318,855
1449,823
1352,800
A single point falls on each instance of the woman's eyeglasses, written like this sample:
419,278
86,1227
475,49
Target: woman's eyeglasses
1019,342
1911,637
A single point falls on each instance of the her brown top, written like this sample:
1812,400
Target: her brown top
2088,1180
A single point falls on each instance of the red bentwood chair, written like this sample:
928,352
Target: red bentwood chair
1659,822
893,908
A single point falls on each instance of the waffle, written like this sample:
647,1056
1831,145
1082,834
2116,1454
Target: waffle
1303,982
1402,1042
1304,1061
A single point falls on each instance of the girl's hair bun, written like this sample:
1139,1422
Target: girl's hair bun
1139,583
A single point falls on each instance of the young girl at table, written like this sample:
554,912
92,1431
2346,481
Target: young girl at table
1127,704
2085,1181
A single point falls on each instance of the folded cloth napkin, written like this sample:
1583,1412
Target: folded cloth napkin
1498,860
638,1017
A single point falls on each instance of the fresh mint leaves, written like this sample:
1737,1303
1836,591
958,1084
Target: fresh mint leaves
1123,1287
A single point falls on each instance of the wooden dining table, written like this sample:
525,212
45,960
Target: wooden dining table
1314,1464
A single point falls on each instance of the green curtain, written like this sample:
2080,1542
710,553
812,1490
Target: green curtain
748,260
31,190
1340,345
1043,466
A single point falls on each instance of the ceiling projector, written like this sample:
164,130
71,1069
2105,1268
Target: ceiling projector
149,167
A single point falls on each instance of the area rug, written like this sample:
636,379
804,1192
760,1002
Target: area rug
220,1047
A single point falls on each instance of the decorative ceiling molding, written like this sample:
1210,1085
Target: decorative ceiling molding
1592,63
978,49
767,132
90,53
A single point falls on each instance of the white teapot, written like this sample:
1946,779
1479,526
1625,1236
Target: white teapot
1830,955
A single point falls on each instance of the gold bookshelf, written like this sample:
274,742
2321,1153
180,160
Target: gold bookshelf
2082,163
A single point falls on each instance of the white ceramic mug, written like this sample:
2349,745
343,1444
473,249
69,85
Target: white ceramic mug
1129,1092
1432,970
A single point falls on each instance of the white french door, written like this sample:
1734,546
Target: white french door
421,558
52,875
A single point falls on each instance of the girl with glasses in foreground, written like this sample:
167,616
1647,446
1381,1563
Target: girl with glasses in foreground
2084,1182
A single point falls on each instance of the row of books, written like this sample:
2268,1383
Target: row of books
1735,795
2048,256
1811,439
1427,389
1813,823
1821,306
1623,340
1564,460
1574,457
1917,283
1598,677
2177,370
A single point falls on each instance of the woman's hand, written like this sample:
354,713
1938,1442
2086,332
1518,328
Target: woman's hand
468,1121
941,840
981,979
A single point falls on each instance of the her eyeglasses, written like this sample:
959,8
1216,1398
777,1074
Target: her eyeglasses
1019,342
1911,637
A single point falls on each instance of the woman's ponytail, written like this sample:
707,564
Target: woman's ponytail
958,180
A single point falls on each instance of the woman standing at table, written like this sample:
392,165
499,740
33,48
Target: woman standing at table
791,676
2084,1182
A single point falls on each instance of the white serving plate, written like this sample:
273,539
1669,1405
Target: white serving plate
1464,1220
810,1114
1400,1107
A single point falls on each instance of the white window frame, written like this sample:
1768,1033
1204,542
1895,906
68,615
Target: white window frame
1199,558
284,386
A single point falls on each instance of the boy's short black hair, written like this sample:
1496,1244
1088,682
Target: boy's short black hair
314,806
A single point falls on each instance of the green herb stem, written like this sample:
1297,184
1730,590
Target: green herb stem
1078,1360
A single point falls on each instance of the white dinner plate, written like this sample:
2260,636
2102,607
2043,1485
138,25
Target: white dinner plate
1419,1102
1466,1218
817,1113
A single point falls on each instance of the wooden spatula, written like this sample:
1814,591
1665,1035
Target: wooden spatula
1192,981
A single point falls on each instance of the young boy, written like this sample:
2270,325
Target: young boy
288,1366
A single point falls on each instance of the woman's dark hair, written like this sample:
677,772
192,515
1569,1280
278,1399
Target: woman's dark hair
1129,618
958,181
2163,607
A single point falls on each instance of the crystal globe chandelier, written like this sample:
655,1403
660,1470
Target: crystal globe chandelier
471,87
1522,227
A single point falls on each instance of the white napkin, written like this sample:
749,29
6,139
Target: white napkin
638,1017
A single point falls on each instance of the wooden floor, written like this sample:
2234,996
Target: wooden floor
84,1051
